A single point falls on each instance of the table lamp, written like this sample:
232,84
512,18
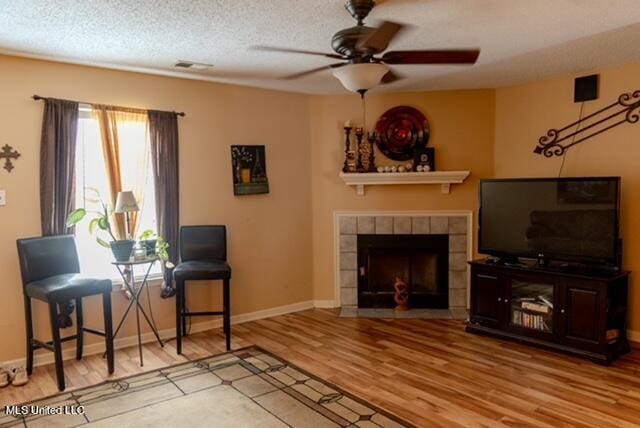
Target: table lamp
126,203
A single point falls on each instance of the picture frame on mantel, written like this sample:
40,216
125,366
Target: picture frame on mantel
249,167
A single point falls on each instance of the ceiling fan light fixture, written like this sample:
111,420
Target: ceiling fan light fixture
360,77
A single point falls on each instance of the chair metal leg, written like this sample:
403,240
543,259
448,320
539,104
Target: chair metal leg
179,291
108,330
29,327
227,313
184,309
57,344
79,330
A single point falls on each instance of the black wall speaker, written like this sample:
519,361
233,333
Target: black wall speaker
586,88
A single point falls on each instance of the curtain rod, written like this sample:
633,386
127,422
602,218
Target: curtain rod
38,98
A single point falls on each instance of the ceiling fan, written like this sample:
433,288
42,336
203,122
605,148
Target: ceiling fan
361,50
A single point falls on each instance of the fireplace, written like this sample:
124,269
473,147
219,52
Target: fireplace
428,249
421,261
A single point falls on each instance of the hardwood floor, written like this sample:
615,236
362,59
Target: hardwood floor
428,372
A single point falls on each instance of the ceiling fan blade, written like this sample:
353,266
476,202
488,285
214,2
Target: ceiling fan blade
295,51
313,70
453,56
391,77
380,38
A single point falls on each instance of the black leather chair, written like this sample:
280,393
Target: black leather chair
203,256
50,273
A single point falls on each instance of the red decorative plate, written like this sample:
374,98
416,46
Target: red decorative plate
400,131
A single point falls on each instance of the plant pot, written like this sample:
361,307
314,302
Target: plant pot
122,249
150,246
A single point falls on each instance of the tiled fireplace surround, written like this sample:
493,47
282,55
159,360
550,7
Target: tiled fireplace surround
456,224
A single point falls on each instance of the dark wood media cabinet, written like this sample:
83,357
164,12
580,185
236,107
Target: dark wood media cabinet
574,311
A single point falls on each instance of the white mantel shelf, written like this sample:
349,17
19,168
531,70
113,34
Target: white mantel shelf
444,178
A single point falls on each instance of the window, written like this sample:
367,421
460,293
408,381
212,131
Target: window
91,174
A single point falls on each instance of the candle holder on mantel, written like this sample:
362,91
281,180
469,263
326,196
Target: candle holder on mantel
360,149
371,137
347,148
351,157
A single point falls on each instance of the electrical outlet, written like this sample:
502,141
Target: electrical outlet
3,198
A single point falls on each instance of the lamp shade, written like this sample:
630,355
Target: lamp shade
361,77
126,203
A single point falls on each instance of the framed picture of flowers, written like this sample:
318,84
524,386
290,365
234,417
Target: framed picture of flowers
249,165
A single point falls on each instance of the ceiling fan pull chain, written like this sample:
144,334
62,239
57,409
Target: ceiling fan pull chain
364,111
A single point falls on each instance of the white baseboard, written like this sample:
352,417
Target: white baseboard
633,336
46,357
325,304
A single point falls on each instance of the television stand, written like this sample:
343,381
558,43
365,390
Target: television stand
505,261
578,312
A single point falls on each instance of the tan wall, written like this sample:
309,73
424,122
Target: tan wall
305,146
462,124
269,235
526,112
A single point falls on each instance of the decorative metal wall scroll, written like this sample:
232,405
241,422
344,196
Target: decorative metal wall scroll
625,110
8,154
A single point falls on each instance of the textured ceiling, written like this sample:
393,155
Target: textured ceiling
520,39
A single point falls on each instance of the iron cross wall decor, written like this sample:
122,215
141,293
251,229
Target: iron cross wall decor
8,154
625,110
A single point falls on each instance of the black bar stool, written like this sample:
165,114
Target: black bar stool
203,256
50,273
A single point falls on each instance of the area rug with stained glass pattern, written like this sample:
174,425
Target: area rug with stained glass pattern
249,387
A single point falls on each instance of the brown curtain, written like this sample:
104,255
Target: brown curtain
116,138
163,131
57,164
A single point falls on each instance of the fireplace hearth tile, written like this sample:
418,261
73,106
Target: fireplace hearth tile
457,298
420,225
375,313
457,225
402,225
458,243
348,278
459,314
347,225
458,261
366,225
439,225
349,296
457,280
348,243
347,312
384,225
348,261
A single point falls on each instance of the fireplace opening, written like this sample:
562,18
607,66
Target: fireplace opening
420,261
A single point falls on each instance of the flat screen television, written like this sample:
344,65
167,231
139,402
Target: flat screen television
564,219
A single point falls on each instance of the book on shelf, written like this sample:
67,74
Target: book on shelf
546,301
527,320
535,307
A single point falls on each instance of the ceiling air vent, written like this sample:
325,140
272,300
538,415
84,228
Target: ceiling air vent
192,65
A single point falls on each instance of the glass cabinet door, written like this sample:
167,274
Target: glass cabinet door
531,305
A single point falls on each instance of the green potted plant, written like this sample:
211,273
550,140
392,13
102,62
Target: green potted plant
148,240
121,248
162,251
156,245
